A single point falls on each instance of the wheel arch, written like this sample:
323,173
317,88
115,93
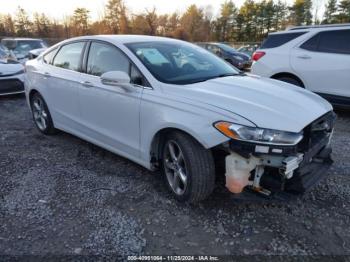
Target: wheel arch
32,93
288,74
158,139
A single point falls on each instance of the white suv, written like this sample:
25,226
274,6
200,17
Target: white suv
315,57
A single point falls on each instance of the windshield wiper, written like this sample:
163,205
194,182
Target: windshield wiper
240,73
225,75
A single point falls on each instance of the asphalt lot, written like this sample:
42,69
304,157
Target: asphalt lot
60,195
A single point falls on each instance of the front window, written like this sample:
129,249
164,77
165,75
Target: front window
180,63
104,58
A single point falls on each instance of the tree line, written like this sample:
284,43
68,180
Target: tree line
250,22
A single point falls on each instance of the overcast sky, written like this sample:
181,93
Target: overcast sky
59,8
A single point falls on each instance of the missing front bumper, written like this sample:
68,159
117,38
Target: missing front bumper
271,173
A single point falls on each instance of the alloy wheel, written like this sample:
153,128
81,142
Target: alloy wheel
175,167
40,114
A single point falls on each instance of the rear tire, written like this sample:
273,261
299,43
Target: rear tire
41,115
290,80
188,168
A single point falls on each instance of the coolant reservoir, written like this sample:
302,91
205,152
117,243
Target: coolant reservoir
238,171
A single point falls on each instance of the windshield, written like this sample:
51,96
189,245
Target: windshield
6,55
180,63
21,48
227,48
3,52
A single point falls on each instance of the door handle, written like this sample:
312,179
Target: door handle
86,84
304,57
47,75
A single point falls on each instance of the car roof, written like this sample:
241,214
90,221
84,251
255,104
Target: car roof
290,32
21,39
124,38
313,28
320,27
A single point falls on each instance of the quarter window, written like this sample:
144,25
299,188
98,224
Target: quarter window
136,77
311,44
48,57
69,56
104,58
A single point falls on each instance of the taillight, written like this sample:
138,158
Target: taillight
257,55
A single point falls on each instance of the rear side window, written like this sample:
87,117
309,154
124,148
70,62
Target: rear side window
69,56
279,39
335,42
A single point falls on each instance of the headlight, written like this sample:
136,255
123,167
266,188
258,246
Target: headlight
258,135
238,57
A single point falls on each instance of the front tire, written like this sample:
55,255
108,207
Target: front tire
187,167
41,115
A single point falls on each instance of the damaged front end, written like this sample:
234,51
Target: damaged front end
273,168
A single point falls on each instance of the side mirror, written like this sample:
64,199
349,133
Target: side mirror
116,78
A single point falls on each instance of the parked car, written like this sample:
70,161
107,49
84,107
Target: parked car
11,73
35,53
22,46
6,54
313,57
248,49
229,54
146,98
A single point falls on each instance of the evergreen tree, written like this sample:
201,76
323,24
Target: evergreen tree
22,23
344,11
330,12
301,12
81,21
116,17
226,22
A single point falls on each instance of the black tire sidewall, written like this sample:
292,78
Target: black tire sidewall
290,80
200,167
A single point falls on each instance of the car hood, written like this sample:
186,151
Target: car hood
265,102
38,51
9,68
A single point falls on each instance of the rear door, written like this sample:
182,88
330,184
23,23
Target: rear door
63,80
323,62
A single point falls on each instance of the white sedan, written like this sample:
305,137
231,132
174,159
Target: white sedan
11,74
170,105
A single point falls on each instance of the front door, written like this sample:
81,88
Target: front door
110,114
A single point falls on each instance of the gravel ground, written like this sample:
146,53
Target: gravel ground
60,195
